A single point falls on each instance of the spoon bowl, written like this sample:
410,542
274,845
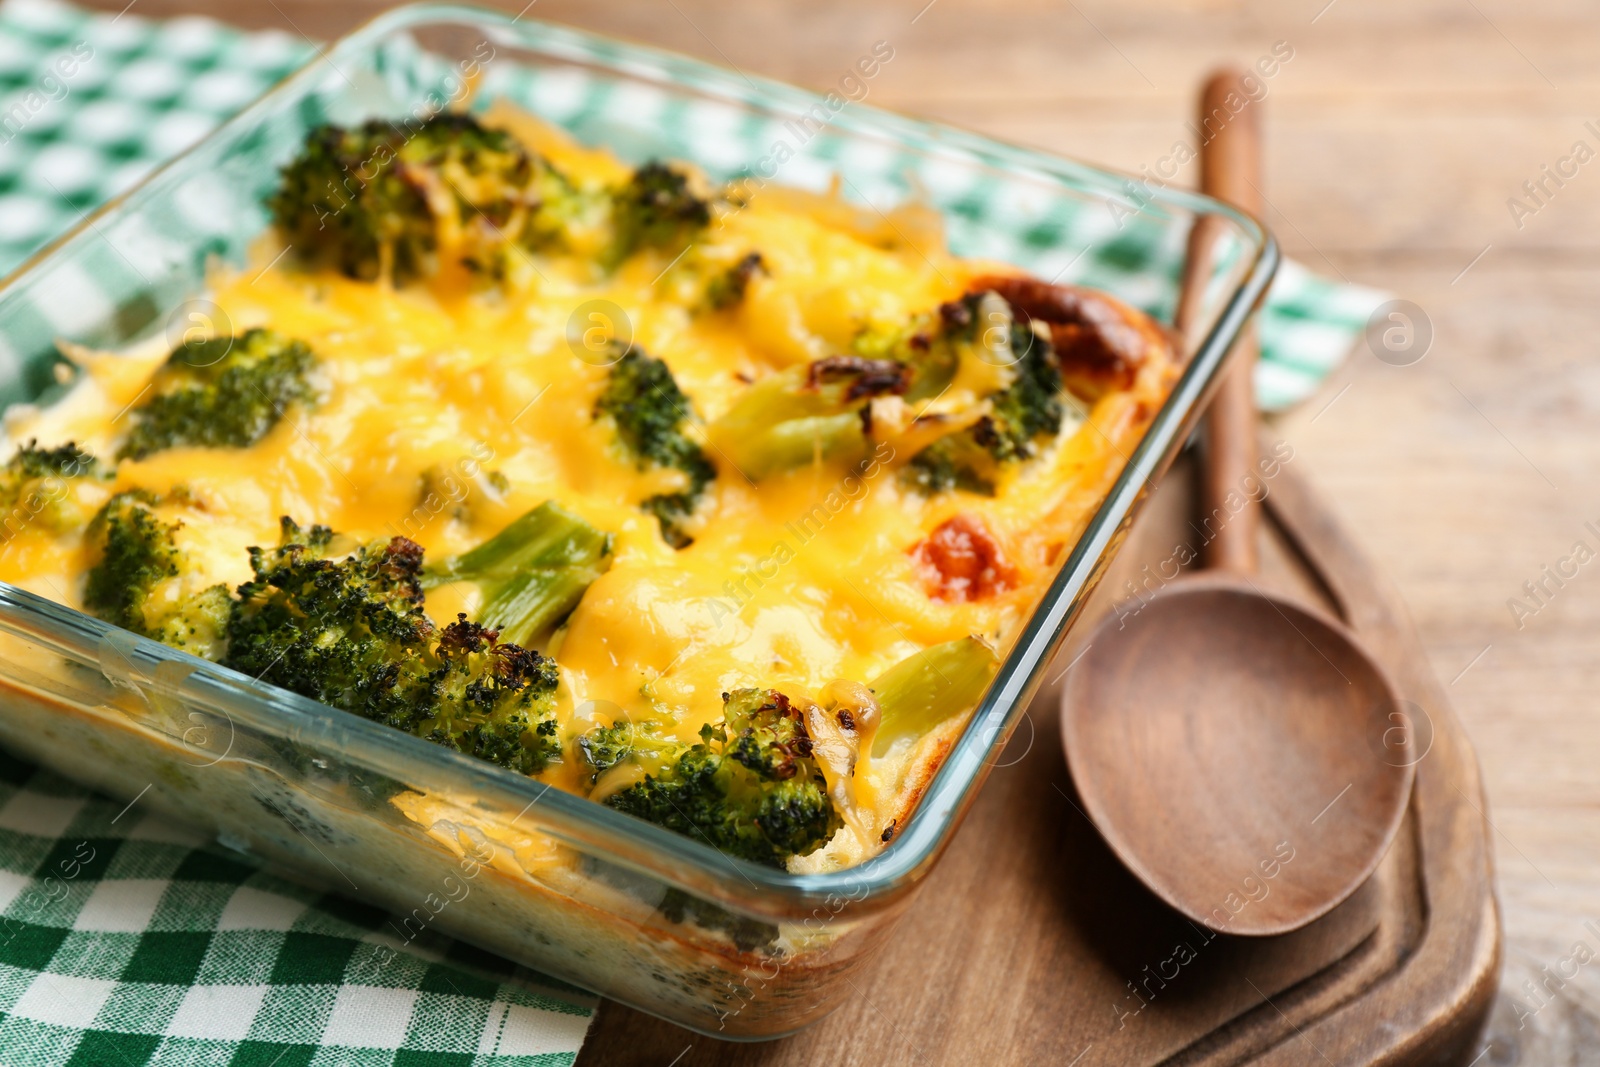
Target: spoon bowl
1239,751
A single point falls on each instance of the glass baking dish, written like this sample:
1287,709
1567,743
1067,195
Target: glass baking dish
543,877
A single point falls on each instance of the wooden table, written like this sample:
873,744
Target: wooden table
1395,136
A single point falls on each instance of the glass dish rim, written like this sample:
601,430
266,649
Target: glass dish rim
961,774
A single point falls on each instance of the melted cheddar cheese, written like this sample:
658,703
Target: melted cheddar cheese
450,408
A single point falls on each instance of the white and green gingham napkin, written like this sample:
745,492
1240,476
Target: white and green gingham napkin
89,103
125,940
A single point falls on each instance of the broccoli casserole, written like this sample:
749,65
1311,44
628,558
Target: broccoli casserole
714,505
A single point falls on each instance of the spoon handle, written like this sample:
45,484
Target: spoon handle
1230,170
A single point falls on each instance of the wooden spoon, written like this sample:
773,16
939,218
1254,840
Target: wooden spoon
1237,750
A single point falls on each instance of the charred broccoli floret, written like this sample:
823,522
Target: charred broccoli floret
385,199
750,788
531,574
342,629
345,625
59,488
224,392
650,413
496,700
140,580
343,622
655,209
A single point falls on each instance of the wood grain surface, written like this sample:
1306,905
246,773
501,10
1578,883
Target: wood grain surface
1395,137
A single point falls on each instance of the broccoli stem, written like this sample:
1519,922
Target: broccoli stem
532,573
929,687
800,442
780,423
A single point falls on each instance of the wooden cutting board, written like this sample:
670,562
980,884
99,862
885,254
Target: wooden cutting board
1031,944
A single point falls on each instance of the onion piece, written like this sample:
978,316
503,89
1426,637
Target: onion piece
842,730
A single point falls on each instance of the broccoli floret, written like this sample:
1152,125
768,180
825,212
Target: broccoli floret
764,733
971,459
750,788
728,287
655,209
496,700
400,201
650,413
224,392
1029,407
935,344
531,574
605,747
343,629
1025,409
140,579
754,786
955,461
351,633
58,488
31,462
343,623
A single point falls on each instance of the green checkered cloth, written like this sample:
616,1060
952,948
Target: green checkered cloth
90,103
125,939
